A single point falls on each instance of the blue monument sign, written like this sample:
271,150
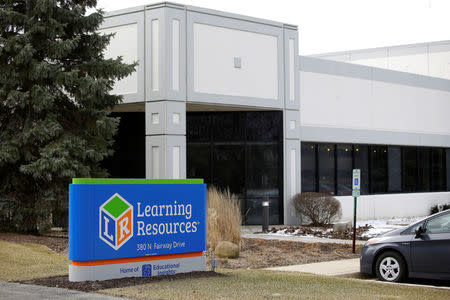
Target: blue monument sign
136,227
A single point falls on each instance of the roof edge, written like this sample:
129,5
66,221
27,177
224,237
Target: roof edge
331,67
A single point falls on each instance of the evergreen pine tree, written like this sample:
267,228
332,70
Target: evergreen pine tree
55,96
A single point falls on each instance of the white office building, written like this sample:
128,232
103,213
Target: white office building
227,98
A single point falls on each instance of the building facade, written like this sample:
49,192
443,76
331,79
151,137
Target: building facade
429,59
227,98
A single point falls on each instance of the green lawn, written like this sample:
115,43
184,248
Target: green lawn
260,284
23,261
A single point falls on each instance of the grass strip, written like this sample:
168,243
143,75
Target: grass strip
263,284
23,261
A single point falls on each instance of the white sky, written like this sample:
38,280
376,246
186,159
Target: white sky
338,25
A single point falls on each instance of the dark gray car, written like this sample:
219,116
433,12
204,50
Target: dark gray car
420,250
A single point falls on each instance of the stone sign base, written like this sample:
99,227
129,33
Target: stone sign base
136,267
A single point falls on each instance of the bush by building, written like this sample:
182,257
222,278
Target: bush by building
435,209
317,208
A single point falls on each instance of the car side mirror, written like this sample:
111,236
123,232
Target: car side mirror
419,231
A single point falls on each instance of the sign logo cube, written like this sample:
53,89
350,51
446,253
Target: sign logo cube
146,270
116,221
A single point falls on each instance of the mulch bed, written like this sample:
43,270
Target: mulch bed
56,242
259,253
92,286
323,232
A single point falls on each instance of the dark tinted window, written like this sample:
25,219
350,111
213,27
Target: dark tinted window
263,182
199,161
263,169
447,160
361,161
423,169
437,170
128,160
308,167
326,161
394,170
384,169
198,127
229,167
242,151
378,169
264,126
228,127
344,169
409,169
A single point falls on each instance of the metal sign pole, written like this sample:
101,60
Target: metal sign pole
356,184
354,225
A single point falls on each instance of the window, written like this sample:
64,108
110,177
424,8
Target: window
198,127
264,126
378,169
394,170
228,127
326,170
439,224
409,169
199,161
437,170
262,169
361,161
412,229
344,169
128,160
229,167
423,169
447,159
242,151
309,174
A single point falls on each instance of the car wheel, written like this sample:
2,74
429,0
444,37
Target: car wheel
390,267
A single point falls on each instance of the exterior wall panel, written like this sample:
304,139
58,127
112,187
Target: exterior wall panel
214,72
128,42
124,44
388,206
234,62
372,105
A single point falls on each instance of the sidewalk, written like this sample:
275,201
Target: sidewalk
13,291
327,268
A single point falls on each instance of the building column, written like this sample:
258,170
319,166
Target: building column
291,120
165,123
165,108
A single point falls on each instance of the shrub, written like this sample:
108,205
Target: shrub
435,209
223,219
317,208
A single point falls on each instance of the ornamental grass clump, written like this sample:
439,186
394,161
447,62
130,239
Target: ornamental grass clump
223,219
